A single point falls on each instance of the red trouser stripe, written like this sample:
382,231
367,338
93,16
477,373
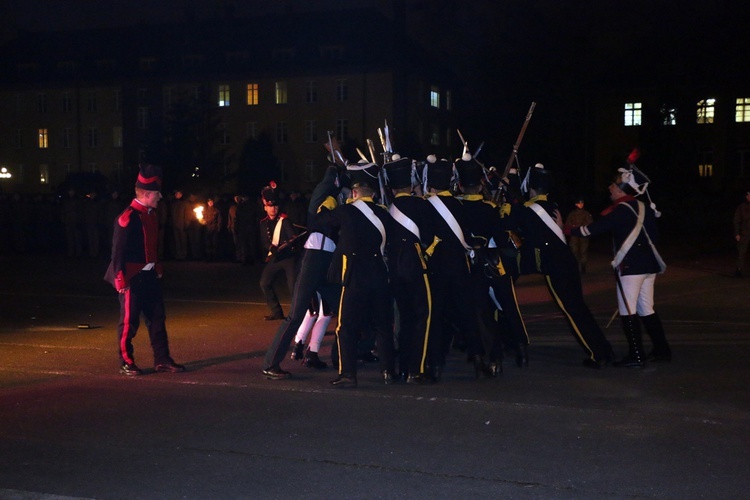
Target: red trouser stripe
126,330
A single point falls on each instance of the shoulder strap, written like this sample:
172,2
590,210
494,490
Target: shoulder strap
630,240
548,221
367,212
446,214
404,220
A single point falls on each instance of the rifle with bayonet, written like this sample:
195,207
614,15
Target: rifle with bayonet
514,154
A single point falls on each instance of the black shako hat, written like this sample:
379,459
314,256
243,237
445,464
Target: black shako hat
149,177
269,195
364,174
399,172
540,179
438,174
470,172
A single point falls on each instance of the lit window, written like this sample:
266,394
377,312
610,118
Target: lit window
342,90
311,131
117,137
44,174
43,138
342,130
705,170
742,110
93,137
311,91
705,163
252,94
434,97
223,95
705,112
633,114
668,115
282,133
281,93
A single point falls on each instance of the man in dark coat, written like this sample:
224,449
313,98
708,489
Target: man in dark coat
135,271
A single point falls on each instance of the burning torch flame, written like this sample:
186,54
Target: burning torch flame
199,213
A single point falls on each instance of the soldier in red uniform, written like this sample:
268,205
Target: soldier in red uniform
135,271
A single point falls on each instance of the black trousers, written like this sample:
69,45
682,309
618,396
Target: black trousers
365,310
513,329
452,307
567,291
414,303
311,279
267,277
143,297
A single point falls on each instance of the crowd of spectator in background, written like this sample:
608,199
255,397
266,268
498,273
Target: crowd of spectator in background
79,225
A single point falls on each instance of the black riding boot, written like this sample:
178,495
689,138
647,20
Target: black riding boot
632,329
655,330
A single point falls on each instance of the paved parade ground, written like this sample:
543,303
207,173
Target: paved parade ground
72,427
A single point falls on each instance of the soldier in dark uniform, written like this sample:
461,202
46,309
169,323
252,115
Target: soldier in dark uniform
276,233
636,264
493,277
359,266
449,271
410,284
545,251
135,271
312,277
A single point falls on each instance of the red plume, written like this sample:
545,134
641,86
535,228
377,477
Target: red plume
634,155
273,184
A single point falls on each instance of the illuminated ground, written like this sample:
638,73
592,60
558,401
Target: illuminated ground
71,426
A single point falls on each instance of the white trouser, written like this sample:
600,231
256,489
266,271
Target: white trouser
639,294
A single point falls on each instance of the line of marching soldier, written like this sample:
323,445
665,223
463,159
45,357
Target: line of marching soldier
432,268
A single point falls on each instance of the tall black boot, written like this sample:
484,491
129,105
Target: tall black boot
655,330
632,329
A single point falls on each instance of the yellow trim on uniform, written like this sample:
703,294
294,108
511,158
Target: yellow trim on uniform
518,309
570,319
329,203
338,316
431,249
423,361
539,197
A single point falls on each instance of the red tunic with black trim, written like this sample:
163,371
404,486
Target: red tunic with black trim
134,244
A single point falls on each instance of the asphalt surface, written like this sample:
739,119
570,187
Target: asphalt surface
72,427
